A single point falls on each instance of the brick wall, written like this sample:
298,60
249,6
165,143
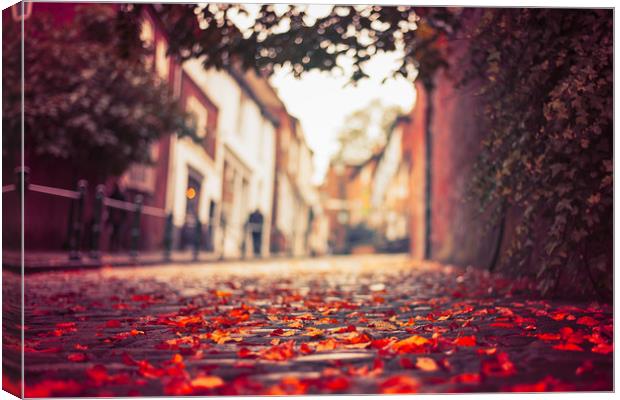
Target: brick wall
457,229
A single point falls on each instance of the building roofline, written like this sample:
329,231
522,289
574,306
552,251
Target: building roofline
247,88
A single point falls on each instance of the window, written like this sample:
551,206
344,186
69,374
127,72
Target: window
293,157
243,100
192,196
141,177
147,35
199,115
161,60
261,140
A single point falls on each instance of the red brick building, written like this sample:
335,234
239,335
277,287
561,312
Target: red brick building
47,217
443,140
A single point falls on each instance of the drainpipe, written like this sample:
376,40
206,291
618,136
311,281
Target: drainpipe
428,157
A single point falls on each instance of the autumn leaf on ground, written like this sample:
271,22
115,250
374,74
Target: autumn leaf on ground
382,325
182,322
399,384
499,366
313,332
469,378
584,368
207,382
305,349
113,323
53,387
426,364
567,347
221,337
77,357
336,384
296,324
465,341
288,386
548,336
587,321
603,348
244,352
546,384
412,343
281,352
326,345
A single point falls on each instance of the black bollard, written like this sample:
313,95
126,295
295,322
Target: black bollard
76,227
22,176
97,223
197,238
135,229
168,237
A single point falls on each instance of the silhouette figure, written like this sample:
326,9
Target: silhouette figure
255,222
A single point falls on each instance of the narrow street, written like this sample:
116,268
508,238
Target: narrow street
350,324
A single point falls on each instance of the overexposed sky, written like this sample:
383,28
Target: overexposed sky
322,101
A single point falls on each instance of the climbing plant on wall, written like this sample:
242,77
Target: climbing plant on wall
547,93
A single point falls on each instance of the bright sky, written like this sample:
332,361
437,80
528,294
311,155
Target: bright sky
321,101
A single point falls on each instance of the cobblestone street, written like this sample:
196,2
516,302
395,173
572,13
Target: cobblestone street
371,324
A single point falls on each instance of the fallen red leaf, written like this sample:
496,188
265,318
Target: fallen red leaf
426,364
603,348
472,378
587,321
466,341
399,384
585,367
305,349
77,357
337,384
244,352
406,363
280,352
207,382
114,323
499,366
506,325
53,387
567,347
288,386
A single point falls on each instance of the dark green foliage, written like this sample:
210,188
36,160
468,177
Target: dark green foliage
547,92
289,36
89,98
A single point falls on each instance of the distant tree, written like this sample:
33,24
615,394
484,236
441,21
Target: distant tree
89,98
356,142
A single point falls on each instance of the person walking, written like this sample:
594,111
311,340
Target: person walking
255,222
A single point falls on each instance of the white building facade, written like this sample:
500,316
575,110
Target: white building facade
235,177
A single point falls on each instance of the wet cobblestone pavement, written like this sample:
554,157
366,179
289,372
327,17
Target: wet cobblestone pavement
372,324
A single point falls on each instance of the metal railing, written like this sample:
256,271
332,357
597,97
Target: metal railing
100,202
